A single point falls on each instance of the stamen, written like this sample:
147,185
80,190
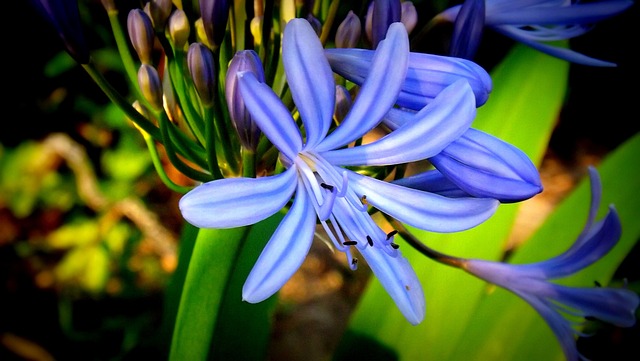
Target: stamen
370,241
391,234
363,199
326,186
350,243
394,245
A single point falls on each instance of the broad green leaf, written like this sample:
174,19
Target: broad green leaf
504,327
528,93
212,322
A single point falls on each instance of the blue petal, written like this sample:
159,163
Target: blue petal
427,75
285,251
310,78
423,210
432,181
612,305
379,91
584,13
235,202
468,29
272,117
602,237
432,129
561,53
485,166
399,280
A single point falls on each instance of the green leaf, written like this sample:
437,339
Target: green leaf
211,296
528,93
504,327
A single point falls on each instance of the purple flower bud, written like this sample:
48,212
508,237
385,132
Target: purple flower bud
64,16
141,34
315,24
203,72
215,14
349,31
467,30
243,61
343,103
384,13
150,85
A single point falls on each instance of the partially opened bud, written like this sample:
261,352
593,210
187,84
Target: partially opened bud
150,85
202,70
141,34
248,131
343,103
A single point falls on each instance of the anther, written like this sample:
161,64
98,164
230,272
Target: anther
326,186
597,284
354,261
391,234
363,199
394,246
370,241
349,243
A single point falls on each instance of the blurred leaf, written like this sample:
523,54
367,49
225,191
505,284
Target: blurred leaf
59,64
84,267
128,161
529,89
80,232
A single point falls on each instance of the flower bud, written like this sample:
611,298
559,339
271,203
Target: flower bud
215,14
315,24
349,31
150,85
248,131
141,34
179,28
343,103
159,11
383,14
408,15
202,70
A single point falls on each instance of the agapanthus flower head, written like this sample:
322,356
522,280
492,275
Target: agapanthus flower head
64,16
316,172
559,304
536,22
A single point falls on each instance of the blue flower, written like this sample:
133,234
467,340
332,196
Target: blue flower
552,301
535,22
64,16
316,172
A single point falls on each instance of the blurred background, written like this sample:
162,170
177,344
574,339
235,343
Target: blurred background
89,234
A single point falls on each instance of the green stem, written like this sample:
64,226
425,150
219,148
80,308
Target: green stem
157,163
122,42
248,163
121,102
210,143
178,80
173,156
